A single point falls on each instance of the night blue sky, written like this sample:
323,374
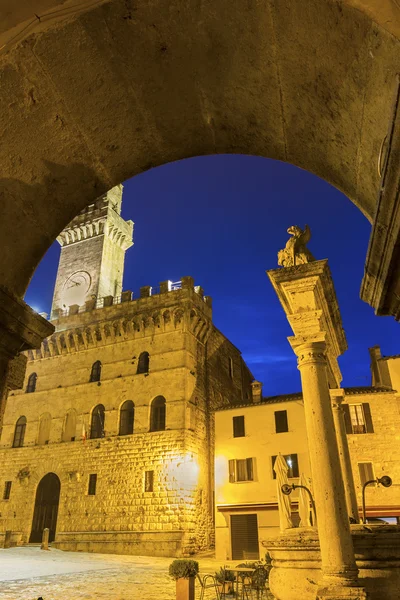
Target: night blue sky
222,220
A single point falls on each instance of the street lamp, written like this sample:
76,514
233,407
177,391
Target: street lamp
287,489
386,481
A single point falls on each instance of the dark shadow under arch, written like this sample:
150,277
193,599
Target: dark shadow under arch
46,508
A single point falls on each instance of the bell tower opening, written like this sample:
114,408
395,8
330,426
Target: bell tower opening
93,248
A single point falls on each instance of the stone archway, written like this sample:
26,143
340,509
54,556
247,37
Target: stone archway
90,98
46,508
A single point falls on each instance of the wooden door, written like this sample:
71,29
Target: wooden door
46,508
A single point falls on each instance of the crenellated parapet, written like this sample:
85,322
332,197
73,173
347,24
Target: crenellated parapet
182,309
110,224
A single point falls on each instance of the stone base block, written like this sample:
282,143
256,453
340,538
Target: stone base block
10,539
163,543
342,593
296,561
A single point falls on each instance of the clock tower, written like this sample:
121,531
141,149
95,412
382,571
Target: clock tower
93,250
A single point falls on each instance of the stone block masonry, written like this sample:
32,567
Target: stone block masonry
167,513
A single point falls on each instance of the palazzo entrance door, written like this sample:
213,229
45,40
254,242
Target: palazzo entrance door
46,508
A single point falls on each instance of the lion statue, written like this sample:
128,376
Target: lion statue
295,252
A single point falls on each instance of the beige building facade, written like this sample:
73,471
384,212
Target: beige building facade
249,438
109,443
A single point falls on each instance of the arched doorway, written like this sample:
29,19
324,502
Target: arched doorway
46,507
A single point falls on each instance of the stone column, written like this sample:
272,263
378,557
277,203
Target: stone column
308,297
344,454
337,554
20,329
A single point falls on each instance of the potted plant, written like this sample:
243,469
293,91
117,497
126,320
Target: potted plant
225,580
184,572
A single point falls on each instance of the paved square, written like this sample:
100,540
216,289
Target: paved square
27,573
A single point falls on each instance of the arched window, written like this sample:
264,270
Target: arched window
44,429
157,415
19,433
31,387
97,424
127,417
143,364
95,375
69,432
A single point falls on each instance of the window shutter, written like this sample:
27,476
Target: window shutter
273,459
366,471
347,419
295,465
281,421
238,426
367,417
249,465
232,471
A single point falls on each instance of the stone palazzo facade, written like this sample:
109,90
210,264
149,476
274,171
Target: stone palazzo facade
110,442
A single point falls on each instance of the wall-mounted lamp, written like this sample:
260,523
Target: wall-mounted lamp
287,489
386,481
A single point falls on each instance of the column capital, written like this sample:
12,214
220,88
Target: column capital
21,328
337,397
311,352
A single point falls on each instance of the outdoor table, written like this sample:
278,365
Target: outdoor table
247,571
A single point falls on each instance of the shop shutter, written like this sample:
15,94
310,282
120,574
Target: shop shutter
244,537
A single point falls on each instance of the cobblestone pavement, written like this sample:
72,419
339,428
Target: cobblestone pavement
28,573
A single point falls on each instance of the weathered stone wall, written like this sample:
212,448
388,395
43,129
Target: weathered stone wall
71,260
95,242
227,384
176,518
121,516
16,372
381,447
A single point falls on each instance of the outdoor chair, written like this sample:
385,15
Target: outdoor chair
208,582
259,581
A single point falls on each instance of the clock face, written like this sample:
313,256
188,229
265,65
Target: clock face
76,288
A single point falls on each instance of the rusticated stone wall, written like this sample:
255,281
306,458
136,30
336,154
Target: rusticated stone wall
380,447
175,328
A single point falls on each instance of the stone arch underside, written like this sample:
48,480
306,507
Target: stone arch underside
94,98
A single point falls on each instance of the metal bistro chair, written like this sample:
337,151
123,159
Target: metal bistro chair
259,581
208,582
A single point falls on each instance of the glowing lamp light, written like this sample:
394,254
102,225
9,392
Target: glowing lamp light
185,471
